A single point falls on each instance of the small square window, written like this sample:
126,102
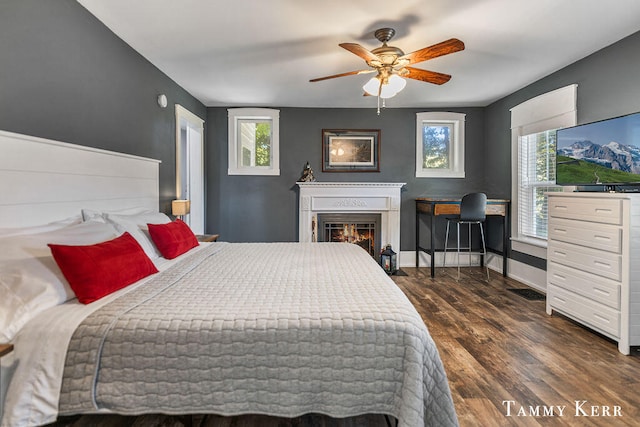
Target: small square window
440,145
254,141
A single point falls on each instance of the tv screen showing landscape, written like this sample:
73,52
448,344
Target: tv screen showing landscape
600,153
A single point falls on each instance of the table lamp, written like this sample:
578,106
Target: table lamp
180,208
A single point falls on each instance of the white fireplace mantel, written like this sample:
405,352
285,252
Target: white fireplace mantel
351,197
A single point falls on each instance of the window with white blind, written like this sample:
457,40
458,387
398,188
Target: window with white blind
533,126
537,165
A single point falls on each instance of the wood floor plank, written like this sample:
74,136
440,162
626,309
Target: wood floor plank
496,347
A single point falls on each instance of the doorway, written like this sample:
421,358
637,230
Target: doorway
190,165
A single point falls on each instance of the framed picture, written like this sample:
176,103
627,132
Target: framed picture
351,150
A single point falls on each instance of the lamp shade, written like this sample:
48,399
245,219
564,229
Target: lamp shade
371,87
394,84
180,207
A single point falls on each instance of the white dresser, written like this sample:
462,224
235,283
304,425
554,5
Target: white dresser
593,262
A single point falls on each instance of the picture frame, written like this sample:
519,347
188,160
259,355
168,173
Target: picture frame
351,150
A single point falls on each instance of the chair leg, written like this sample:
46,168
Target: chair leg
470,242
446,241
458,252
484,250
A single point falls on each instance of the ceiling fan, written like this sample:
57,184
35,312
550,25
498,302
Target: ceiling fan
391,64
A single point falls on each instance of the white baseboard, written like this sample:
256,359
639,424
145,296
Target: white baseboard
528,275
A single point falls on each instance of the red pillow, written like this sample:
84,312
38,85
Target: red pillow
94,271
172,239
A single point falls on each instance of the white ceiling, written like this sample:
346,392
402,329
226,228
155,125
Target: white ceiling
263,52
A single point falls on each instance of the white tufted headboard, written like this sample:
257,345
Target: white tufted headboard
42,180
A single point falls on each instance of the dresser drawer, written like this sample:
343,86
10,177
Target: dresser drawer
585,310
598,236
605,264
597,288
606,211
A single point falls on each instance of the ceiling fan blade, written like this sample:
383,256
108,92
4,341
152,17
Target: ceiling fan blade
349,73
427,76
363,53
440,49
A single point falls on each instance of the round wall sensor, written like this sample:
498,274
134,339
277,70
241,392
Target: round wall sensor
162,100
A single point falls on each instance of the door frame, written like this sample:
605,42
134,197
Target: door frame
185,116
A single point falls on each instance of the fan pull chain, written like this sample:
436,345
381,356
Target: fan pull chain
384,104
379,92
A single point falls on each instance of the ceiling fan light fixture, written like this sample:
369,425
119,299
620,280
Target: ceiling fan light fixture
396,83
371,87
390,89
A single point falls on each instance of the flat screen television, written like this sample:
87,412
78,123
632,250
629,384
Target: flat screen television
603,154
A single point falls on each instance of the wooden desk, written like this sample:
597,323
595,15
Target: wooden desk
451,206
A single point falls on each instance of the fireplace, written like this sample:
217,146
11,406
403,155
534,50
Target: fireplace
359,229
379,199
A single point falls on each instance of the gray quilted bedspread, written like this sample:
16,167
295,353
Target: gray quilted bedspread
280,328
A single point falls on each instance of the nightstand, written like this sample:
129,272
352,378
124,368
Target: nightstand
4,350
207,237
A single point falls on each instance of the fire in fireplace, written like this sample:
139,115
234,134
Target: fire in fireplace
359,229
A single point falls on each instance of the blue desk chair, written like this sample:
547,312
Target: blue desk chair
472,211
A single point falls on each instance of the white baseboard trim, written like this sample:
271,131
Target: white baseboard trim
533,277
524,273
408,259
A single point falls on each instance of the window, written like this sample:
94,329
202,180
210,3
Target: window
254,141
538,174
533,125
440,145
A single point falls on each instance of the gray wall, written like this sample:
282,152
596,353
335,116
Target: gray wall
608,86
243,208
65,76
265,208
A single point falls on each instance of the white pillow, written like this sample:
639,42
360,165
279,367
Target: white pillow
30,280
6,232
136,225
94,215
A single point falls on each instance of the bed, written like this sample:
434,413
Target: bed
227,328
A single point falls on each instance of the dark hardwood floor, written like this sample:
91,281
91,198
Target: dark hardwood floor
508,363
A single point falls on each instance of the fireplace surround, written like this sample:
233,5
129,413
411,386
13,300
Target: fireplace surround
381,198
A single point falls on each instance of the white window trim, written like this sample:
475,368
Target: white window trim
551,110
236,114
456,154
